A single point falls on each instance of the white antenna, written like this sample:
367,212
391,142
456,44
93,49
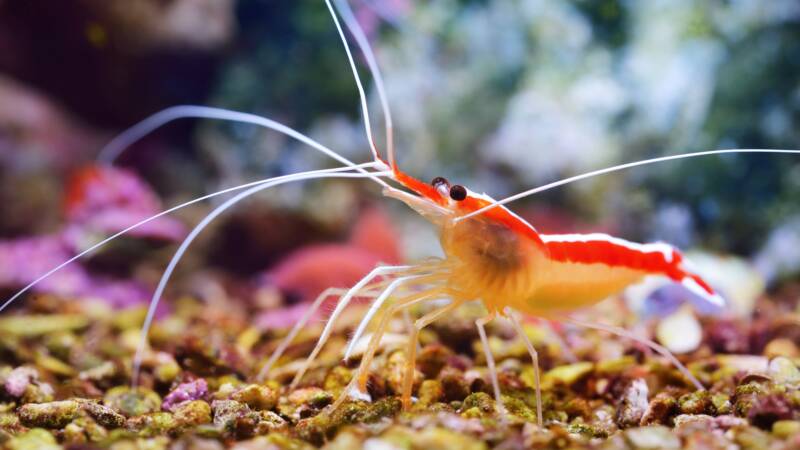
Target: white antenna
113,149
363,43
361,95
629,165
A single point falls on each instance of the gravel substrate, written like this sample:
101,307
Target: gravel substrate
66,366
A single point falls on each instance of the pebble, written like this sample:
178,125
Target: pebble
660,408
193,390
781,347
653,437
783,370
36,325
566,375
18,380
745,363
152,424
35,439
49,415
786,428
633,404
430,392
455,387
311,396
132,402
680,332
257,397
104,415
194,412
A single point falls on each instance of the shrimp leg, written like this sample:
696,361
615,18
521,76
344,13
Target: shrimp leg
378,303
374,343
655,347
535,359
343,302
413,342
278,352
481,324
359,381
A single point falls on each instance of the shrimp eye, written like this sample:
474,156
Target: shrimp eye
458,192
440,181
442,185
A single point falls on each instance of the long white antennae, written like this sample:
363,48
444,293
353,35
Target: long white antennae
363,43
113,149
142,222
162,284
615,169
361,95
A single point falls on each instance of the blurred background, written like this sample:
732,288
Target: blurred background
498,95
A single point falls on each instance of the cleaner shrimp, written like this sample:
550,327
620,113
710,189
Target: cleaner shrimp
491,255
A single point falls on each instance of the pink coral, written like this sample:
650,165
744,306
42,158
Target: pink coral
108,200
193,390
311,269
18,380
98,200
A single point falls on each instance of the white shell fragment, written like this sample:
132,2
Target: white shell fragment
783,370
680,332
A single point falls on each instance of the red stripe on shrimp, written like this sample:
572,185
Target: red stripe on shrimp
615,252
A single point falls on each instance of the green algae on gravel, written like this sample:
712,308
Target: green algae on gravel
132,402
37,325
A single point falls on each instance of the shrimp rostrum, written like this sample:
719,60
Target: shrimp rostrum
491,255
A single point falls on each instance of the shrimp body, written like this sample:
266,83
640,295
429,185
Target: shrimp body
502,260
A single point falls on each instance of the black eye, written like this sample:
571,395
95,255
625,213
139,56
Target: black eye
458,192
440,181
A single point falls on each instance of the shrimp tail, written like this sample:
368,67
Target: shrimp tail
698,286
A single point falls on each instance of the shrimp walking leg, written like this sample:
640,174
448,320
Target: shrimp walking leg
359,381
375,341
367,292
535,360
343,302
378,303
655,347
409,324
481,324
413,342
